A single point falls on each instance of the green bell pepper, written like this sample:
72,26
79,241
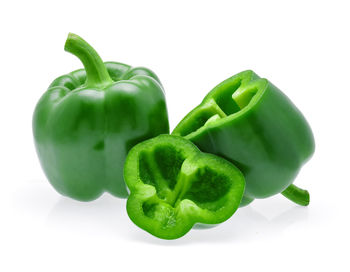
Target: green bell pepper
87,121
173,186
250,122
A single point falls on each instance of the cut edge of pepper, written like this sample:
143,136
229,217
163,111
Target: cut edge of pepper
183,209
245,91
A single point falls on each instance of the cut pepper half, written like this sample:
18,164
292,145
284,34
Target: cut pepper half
174,186
250,122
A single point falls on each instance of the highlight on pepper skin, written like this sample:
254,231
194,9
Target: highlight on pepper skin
174,186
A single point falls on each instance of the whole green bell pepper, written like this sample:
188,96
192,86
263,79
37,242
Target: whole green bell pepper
173,186
87,121
249,121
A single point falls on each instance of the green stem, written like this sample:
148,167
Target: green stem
96,72
297,195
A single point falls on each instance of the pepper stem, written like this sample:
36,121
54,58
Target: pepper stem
297,195
96,72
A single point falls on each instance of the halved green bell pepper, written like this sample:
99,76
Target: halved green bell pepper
250,122
88,120
173,186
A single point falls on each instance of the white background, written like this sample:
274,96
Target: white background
301,46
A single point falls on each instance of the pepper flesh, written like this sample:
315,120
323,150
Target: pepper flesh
174,186
88,120
249,121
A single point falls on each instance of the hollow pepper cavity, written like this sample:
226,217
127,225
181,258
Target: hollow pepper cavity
250,122
174,186
87,121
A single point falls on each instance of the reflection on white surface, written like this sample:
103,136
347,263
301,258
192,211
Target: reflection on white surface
108,215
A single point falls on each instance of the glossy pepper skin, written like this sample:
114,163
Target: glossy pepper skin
173,186
250,122
87,120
